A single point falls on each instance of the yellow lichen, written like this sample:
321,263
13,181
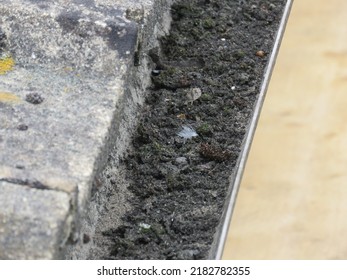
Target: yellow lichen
8,97
6,64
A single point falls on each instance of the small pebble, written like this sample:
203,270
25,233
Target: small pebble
181,160
206,166
260,53
194,94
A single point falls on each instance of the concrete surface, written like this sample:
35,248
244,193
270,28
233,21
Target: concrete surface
71,79
292,203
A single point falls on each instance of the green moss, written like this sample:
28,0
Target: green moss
158,229
156,151
206,97
175,182
208,23
170,180
165,76
157,147
196,33
239,54
163,80
210,82
204,129
145,228
227,110
182,10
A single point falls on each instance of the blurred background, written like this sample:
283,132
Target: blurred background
292,202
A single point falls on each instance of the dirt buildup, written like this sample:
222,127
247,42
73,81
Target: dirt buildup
206,78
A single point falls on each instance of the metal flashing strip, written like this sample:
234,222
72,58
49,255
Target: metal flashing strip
222,231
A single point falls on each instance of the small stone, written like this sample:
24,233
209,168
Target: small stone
181,160
260,53
188,254
194,94
206,166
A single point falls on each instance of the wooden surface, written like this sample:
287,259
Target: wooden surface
292,202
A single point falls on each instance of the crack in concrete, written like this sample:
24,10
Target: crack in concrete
32,184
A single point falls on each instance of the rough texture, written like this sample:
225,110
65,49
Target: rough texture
32,222
67,83
206,80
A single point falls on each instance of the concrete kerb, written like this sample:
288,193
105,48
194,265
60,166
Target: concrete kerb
71,80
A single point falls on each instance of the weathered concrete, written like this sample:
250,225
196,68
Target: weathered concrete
32,222
68,89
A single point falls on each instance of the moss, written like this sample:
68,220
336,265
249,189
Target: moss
206,97
227,110
145,228
164,78
180,51
157,147
142,134
182,10
158,229
214,153
218,68
145,153
205,129
6,64
239,54
244,66
208,23
174,183
171,78
155,151
210,82
196,33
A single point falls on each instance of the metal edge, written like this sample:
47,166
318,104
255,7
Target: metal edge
235,184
